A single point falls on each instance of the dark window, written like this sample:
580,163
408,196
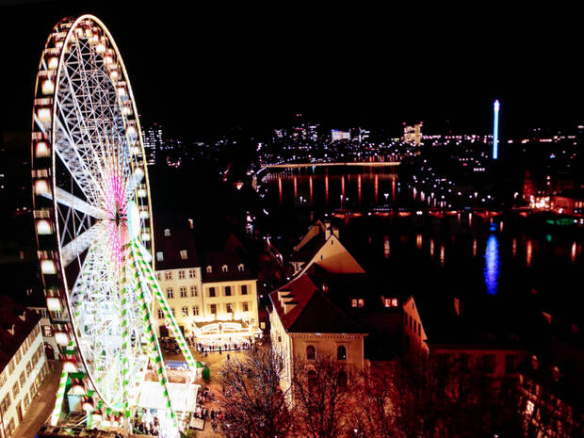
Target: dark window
341,352
310,352
489,361
244,289
511,363
227,291
211,291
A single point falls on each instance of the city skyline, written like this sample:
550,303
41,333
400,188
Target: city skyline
217,70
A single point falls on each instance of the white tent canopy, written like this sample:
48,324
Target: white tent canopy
182,396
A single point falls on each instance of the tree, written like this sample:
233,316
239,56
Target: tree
374,416
254,405
321,396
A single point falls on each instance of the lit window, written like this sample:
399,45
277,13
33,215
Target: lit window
184,254
169,293
224,268
47,331
183,292
181,275
159,256
240,267
529,408
209,269
357,302
390,302
194,291
167,232
185,311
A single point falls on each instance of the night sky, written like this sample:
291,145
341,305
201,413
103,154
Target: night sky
211,68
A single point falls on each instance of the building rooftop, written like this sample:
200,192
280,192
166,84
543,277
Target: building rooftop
16,323
230,263
303,308
177,248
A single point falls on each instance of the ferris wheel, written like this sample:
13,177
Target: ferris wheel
93,223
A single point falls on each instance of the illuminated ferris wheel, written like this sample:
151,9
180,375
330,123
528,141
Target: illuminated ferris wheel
93,223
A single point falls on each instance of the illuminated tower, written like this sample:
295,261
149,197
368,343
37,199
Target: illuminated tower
496,107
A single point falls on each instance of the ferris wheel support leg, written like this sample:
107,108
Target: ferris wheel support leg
125,361
146,269
154,347
56,414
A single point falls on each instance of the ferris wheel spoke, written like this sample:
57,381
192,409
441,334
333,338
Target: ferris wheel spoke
75,149
80,244
67,199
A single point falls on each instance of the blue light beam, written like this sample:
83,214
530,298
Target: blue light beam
496,107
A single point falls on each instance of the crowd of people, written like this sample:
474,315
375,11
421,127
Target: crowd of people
145,422
219,348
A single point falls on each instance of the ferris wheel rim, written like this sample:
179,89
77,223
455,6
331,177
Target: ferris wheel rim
67,289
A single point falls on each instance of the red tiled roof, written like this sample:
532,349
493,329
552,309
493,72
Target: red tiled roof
313,311
9,318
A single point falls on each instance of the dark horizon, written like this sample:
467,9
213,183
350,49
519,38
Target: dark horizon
217,69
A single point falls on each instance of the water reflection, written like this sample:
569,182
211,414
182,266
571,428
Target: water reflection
492,264
528,253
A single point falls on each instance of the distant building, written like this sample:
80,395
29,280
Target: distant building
153,142
338,135
213,295
23,364
321,246
413,134
569,202
305,323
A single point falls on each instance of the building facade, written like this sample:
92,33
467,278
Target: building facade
23,364
305,324
213,297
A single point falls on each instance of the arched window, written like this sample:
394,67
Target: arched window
341,352
167,232
209,269
342,379
224,268
310,352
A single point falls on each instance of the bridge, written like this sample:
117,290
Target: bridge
336,163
